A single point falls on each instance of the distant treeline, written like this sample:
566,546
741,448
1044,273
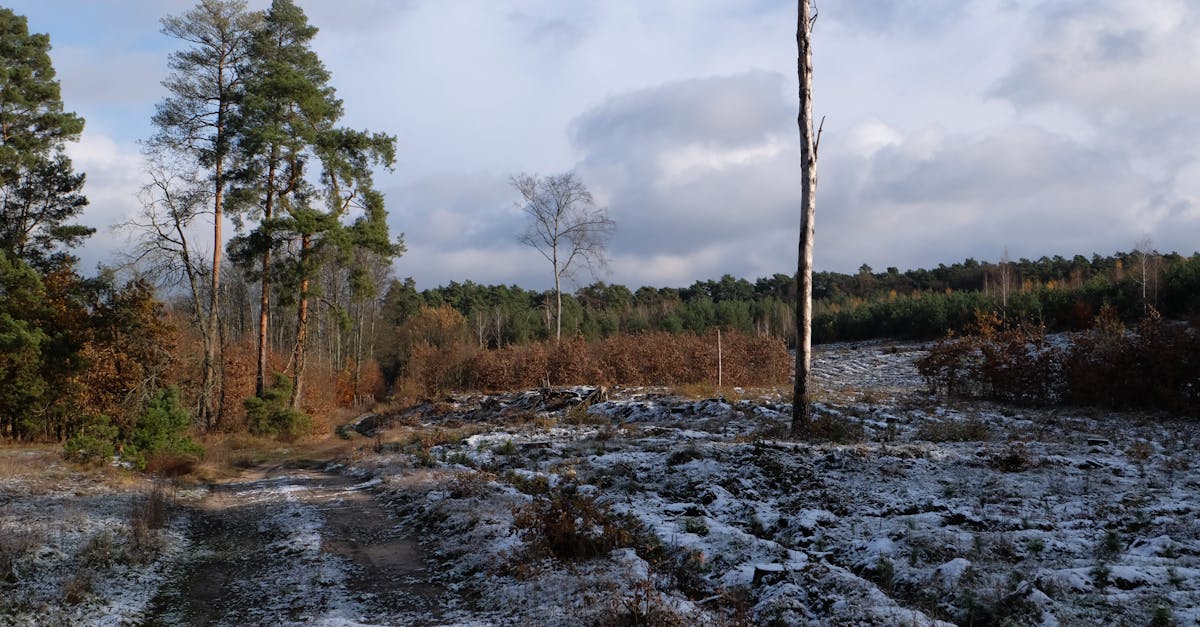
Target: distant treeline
1058,292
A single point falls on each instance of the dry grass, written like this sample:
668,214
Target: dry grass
148,515
15,545
972,430
25,460
705,390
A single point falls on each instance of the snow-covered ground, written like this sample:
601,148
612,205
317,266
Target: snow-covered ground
75,548
929,510
908,510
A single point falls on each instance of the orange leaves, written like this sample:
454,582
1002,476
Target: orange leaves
655,358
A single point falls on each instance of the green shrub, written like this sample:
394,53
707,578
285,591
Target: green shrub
94,443
161,430
272,416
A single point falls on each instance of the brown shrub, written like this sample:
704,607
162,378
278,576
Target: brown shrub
171,465
1155,365
655,358
572,526
1005,363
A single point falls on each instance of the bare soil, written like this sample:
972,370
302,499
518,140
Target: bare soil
296,543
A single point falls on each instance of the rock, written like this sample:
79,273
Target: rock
763,571
948,575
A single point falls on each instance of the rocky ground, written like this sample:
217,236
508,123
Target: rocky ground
908,509
561,507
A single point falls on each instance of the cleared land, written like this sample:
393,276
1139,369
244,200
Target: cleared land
678,510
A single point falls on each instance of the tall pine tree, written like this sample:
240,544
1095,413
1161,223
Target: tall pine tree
195,122
39,192
288,125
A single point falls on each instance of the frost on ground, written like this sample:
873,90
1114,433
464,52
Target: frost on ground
296,546
79,547
561,507
913,511
285,546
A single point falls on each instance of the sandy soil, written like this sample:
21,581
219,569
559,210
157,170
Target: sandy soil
296,544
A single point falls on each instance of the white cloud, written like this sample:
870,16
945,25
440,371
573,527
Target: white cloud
115,174
953,128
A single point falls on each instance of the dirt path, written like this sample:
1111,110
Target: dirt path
302,546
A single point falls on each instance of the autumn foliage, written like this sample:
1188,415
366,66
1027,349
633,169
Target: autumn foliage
1154,365
439,357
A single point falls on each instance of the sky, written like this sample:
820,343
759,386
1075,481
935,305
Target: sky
952,128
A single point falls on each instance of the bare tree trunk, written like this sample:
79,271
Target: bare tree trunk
214,350
801,407
1005,282
358,350
557,310
301,327
260,378
557,297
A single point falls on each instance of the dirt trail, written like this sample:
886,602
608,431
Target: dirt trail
295,544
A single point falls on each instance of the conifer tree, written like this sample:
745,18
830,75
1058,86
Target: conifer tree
39,192
194,122
287,122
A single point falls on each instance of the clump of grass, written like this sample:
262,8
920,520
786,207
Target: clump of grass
1101,576
147,516
99,552
835,428
77,587
696,525
470,484
706,390
1140,450
532,485
580,416
972,430
1110,545
569,525
1162,616
460,458
640,604
15,546
1012,458
1035,545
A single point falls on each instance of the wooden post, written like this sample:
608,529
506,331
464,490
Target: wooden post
719,373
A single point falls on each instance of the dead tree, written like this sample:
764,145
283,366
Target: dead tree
809,142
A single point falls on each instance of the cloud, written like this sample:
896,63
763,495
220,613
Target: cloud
911,16
694,182
953,128
1130,69
936,196
115,174
690,164
725,111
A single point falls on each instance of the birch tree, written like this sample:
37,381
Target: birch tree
565,226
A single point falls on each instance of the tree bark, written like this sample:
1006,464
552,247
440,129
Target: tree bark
558,308
801,407
213,349
260,377
301,325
